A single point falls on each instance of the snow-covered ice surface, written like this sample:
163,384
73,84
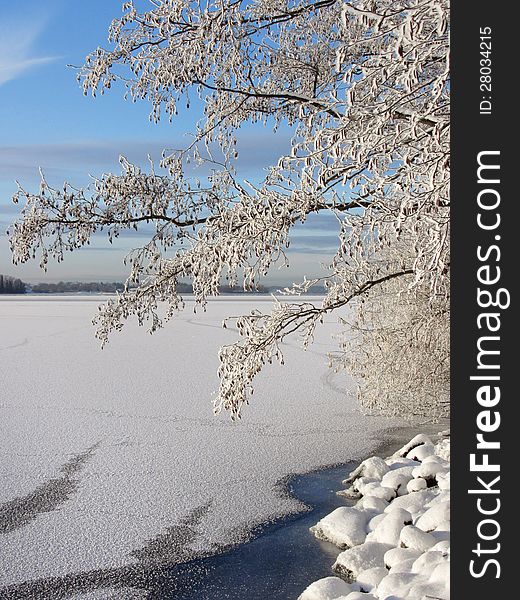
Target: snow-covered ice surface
114,457
403,551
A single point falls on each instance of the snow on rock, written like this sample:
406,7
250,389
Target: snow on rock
397,462
441,572
442,532
361,482
434,516
351,562
418,440
443,547
350,493
442,449
370,578
345,527
416,485
414,503
328,588
396,585
428,562
405,553
375,489
374,521
437,459
398,555
372,503
413,537
398,479
421,452
437,590
403,566
429,471
430,465
389,529
443,481
373,467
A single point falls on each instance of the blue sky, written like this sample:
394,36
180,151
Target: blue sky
45,121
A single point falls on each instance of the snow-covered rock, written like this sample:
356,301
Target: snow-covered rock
436,590
437,459
389,529
400,523
434,516
443,481
361,482
360,596
369,503
373,467
427,562
442,532
404,566
374,522
419,440
413,503
413,537
351,562
429,471
441,572
442,449
345,527
370,578
396,585
396,462
375,489
416,485
443,547
328,588
395,556
397,479
421,452
350,493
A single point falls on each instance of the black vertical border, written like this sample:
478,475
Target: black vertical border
472,133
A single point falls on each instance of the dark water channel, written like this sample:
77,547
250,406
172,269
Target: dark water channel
278,564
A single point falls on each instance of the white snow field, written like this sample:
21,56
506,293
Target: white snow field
114,456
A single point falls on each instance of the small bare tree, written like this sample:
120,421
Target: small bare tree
365,86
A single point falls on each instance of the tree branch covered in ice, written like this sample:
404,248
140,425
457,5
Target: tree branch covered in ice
364,85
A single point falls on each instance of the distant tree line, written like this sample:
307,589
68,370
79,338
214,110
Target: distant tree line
77,286
112,287
11,285
187,288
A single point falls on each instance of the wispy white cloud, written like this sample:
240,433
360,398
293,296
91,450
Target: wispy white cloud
70,160
17,54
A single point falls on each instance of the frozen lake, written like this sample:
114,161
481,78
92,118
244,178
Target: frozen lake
114,457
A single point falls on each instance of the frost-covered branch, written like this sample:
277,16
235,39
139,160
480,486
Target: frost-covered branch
363,86
263,334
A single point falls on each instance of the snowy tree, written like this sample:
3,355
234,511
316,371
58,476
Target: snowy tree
364,85
11,285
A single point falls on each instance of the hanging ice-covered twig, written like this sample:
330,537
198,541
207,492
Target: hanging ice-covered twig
365,86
